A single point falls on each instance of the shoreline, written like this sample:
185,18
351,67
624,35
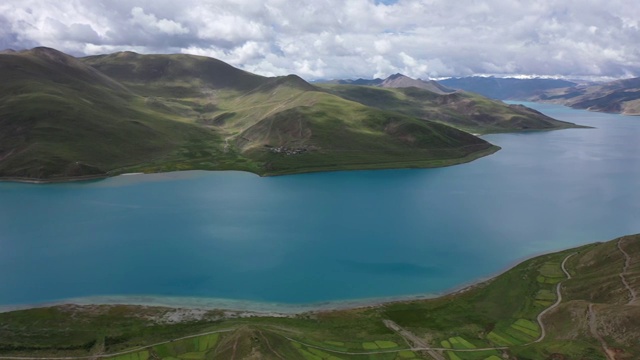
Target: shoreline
251,308
375,166
23,180
241,307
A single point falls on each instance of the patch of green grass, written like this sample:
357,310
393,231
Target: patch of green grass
499,340
452,355
546,295
309,356
192,356
406,354
370,346
188,349
319,353
460,343
141,355
519,336
531,333
384,344
528,324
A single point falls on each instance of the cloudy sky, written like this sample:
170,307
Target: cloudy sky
347,38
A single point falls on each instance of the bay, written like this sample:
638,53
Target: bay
321,237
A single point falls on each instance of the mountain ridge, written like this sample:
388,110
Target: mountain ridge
619,96
505,88
402,81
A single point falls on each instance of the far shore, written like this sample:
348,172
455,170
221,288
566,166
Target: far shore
54,180
427,164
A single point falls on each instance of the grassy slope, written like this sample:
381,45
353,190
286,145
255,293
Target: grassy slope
466,111
341,134
500,312
61,119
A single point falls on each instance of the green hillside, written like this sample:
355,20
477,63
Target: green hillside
516,315
63,119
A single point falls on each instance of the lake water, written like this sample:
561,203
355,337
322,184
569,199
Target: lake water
326,236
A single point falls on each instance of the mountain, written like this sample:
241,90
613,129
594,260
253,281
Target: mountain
395,81
364,82
64,118
402,81
466,111
621,96
60,118
505,88
578,303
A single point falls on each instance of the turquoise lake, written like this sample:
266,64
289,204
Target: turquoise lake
321,237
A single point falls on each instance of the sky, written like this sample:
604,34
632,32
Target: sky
337,39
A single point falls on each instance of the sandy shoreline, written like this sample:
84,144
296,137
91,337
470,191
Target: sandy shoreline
242,308
54,181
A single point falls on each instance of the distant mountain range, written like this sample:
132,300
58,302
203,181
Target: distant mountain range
491,87
432,101
64,118
505,88
621,96
397,81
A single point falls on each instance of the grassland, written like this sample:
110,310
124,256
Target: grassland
493,320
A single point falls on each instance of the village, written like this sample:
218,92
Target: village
286,150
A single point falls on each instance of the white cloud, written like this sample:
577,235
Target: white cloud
353,38
151,23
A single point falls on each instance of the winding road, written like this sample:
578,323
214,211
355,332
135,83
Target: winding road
413,340
102,356
543,331
633,296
